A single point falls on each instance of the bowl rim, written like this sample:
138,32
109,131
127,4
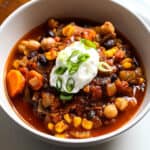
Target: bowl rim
104,137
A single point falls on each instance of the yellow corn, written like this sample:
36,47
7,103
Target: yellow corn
80,134
16,63
51,55
77,121
86,89
111,52
68,30
127,65
141,80
63,135
50,126
87,124
60,126
67,118
126,60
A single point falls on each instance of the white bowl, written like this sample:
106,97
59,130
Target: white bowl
36,12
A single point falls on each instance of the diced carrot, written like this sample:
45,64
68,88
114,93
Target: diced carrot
15,82
89,34
35,80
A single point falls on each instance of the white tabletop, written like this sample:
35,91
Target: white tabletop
13,137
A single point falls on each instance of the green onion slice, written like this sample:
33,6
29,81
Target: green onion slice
73,54
60,70
105,67
70,84
83,57
73,68
65,96
59,83
88,43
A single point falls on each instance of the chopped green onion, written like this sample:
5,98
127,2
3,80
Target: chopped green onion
82,58
73,68
60,70
70,84
105,67
73,54
65,96
59,83
88,43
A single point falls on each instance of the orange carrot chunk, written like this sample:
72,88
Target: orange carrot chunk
35,80
15,82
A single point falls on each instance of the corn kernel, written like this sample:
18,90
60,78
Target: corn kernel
126,60
127,65
60,126
50,126
68,30
77,121
51,55
16,63
141,80
111,52
63,135
80,134
87,124
86,89
67,118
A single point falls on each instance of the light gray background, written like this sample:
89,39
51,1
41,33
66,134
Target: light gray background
13,137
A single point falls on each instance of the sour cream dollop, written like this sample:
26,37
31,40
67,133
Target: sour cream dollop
75,67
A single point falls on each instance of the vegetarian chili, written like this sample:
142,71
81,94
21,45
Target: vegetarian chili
75,79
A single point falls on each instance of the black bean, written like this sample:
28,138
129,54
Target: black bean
32,54
114,77
91,114
50,33
109,43
136,63
42,59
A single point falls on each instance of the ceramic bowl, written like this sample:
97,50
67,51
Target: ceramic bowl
36,12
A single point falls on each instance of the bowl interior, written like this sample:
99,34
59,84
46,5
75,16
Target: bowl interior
36,12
